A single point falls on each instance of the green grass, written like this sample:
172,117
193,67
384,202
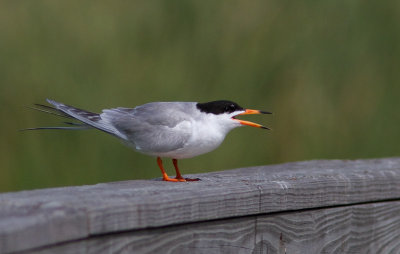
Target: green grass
329,71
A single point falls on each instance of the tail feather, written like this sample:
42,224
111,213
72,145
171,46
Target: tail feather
76,113
87,119
49,110
57,128
56,112
77,124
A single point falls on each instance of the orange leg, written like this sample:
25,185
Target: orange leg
178,174
164,174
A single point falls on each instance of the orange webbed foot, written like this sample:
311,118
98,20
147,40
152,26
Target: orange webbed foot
178,177
169,179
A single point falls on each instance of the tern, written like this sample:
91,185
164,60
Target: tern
175,130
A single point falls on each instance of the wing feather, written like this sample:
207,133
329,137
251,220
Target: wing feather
154,127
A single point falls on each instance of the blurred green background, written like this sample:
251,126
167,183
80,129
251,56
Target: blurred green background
329,70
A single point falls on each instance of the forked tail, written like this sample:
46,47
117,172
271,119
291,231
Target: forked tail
87,120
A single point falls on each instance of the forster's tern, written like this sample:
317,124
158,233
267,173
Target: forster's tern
175,130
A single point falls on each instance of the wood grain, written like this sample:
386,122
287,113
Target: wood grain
370,228
31,219
358,229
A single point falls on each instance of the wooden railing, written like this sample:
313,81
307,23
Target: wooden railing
320,206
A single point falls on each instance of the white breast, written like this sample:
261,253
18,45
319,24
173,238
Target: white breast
207,134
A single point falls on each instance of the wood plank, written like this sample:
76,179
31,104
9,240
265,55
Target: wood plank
84,211
225,236
24,224
368,228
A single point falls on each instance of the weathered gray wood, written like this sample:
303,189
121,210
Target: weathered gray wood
31,219
368,228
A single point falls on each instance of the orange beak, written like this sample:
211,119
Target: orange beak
252,112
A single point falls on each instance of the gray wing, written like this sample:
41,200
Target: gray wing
153,127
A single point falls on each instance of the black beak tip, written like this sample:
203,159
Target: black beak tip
266,128
265,112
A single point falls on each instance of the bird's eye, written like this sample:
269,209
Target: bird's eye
230,108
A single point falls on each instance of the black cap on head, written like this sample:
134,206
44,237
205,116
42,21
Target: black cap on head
219,107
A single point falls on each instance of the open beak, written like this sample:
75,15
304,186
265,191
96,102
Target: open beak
252,112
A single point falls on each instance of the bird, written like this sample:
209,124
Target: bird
175,130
